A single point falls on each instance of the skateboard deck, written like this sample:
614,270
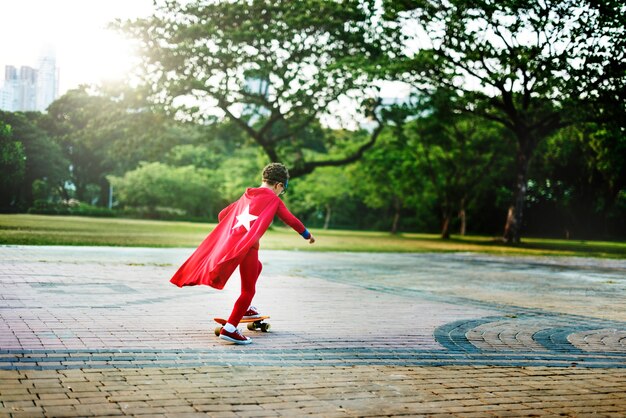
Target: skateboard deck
254,324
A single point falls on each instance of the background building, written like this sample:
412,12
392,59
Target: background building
30,89
47,80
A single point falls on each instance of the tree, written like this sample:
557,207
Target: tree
43,160
579,183
157,185
12,165
321,192
240,170
459,154
528,66
272,67
387,178
109,130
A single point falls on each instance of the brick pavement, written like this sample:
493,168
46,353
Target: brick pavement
99,331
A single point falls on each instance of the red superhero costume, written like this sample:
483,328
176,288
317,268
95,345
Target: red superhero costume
235,240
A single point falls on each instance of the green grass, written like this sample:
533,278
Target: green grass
69,230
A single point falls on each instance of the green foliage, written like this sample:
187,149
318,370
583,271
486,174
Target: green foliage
157,186
240,170
533,67
322,195
509,96
531,56
462,156
72,207
200,156
109,131
44,158
273,68
12,166
577,183
388,179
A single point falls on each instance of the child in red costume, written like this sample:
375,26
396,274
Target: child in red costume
235,242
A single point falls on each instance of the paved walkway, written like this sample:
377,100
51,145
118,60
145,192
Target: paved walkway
100,331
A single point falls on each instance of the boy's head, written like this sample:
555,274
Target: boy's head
276,176
275,173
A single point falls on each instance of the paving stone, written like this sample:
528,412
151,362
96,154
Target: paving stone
454,335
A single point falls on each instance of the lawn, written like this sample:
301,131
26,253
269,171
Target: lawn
69,230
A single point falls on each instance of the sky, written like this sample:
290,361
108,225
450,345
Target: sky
86,52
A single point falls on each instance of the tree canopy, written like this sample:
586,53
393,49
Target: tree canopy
530,66
273,67
512,107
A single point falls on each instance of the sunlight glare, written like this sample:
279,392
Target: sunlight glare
87,52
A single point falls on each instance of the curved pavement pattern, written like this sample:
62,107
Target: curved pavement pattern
99,331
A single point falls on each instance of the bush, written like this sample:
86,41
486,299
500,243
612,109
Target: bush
158,189
72,207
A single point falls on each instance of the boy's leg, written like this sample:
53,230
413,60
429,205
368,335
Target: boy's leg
250,269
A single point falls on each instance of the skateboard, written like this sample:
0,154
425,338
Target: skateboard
254,324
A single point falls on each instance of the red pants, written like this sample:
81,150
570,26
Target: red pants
250,269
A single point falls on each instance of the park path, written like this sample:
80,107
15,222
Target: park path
100,331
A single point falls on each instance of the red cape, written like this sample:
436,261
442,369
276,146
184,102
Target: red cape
215,260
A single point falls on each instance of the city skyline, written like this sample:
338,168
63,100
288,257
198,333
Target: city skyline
87,52
26,88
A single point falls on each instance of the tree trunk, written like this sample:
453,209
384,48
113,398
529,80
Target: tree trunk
81,191
509,222
63,192
396,216
514,219
103,199
327,217
463,218
445,228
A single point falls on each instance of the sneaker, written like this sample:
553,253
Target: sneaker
234,337
251,313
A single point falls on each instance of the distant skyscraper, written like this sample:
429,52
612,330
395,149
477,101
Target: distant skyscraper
47,80
30,89
10,72
27,85
8,90
6,99
20,89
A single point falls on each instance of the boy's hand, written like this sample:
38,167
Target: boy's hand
311,239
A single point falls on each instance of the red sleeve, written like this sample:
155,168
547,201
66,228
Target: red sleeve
288,218
225,211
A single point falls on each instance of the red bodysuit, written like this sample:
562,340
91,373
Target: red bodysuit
235,242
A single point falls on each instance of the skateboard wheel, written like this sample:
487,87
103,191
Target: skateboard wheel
217,331
251,326
265,327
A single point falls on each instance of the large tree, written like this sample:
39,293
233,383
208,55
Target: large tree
273,67
43,160
387,178
109,130
578,181
12,165
461,155
528,65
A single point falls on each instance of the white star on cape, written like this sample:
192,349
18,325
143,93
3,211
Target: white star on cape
245,218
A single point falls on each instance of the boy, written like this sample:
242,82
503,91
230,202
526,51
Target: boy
235,242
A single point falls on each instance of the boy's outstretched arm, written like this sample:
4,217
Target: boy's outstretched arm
287,217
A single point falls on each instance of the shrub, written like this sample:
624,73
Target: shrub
160,188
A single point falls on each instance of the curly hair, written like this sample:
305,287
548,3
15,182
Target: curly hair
275,173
